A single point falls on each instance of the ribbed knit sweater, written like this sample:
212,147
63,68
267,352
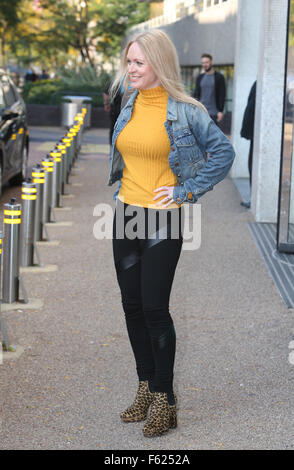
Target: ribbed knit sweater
144,146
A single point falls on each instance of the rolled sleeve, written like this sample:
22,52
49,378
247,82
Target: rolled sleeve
179,194
221,155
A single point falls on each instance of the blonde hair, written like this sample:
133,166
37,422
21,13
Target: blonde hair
161,54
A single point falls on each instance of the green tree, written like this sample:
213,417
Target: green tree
28,43
115,17
8,22
86,25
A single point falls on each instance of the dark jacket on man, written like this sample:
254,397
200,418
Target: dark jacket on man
220,90
247,128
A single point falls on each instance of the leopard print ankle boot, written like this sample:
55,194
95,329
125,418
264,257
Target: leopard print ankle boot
139,409
163,416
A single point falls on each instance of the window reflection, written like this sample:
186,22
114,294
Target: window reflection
286,197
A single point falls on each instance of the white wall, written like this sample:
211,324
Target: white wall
245,73
269,110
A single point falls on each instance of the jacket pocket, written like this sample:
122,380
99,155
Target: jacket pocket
185,139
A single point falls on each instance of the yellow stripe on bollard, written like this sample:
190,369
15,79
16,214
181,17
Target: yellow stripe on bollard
37,180
28,198
29,190
8,212
38,175
12,221
47,163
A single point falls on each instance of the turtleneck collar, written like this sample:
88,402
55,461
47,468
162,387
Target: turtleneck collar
153,96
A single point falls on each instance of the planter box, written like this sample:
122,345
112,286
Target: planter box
50,115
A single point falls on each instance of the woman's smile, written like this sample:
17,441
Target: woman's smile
140,71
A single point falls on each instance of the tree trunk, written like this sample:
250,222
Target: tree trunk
82,54
89,56
3,49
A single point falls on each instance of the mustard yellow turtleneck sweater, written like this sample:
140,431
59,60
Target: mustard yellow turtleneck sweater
144,146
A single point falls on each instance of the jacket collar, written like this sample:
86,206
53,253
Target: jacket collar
130,102
172,112
172,109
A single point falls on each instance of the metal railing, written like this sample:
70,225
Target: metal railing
181,9
25,222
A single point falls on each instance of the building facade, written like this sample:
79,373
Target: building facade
209,26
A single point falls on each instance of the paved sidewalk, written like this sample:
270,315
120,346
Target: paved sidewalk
233,377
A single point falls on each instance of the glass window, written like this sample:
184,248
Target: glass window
285,227
9,95
199,5
14,89
2,104
180,10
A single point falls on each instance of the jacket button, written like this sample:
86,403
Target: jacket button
173,148
178,199
176,164
190,196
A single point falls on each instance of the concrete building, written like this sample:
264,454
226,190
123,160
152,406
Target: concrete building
209,26
249,40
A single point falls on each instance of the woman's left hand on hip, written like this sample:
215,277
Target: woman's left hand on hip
167,193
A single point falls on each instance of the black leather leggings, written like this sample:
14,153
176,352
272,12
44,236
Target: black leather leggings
145,268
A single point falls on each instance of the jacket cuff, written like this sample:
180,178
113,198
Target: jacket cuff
179,194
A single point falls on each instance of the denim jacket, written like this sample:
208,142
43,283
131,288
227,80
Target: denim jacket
193,135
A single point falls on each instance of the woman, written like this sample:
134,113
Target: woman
159,156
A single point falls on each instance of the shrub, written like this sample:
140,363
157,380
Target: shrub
50,91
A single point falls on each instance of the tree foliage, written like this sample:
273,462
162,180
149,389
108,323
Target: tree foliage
8,22
115,17
58,30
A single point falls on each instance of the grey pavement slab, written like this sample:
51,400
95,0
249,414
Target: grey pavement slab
233,376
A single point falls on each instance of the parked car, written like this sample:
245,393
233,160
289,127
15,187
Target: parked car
14,134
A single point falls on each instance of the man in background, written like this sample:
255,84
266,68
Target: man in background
112,107
247,132
44,75
210,89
